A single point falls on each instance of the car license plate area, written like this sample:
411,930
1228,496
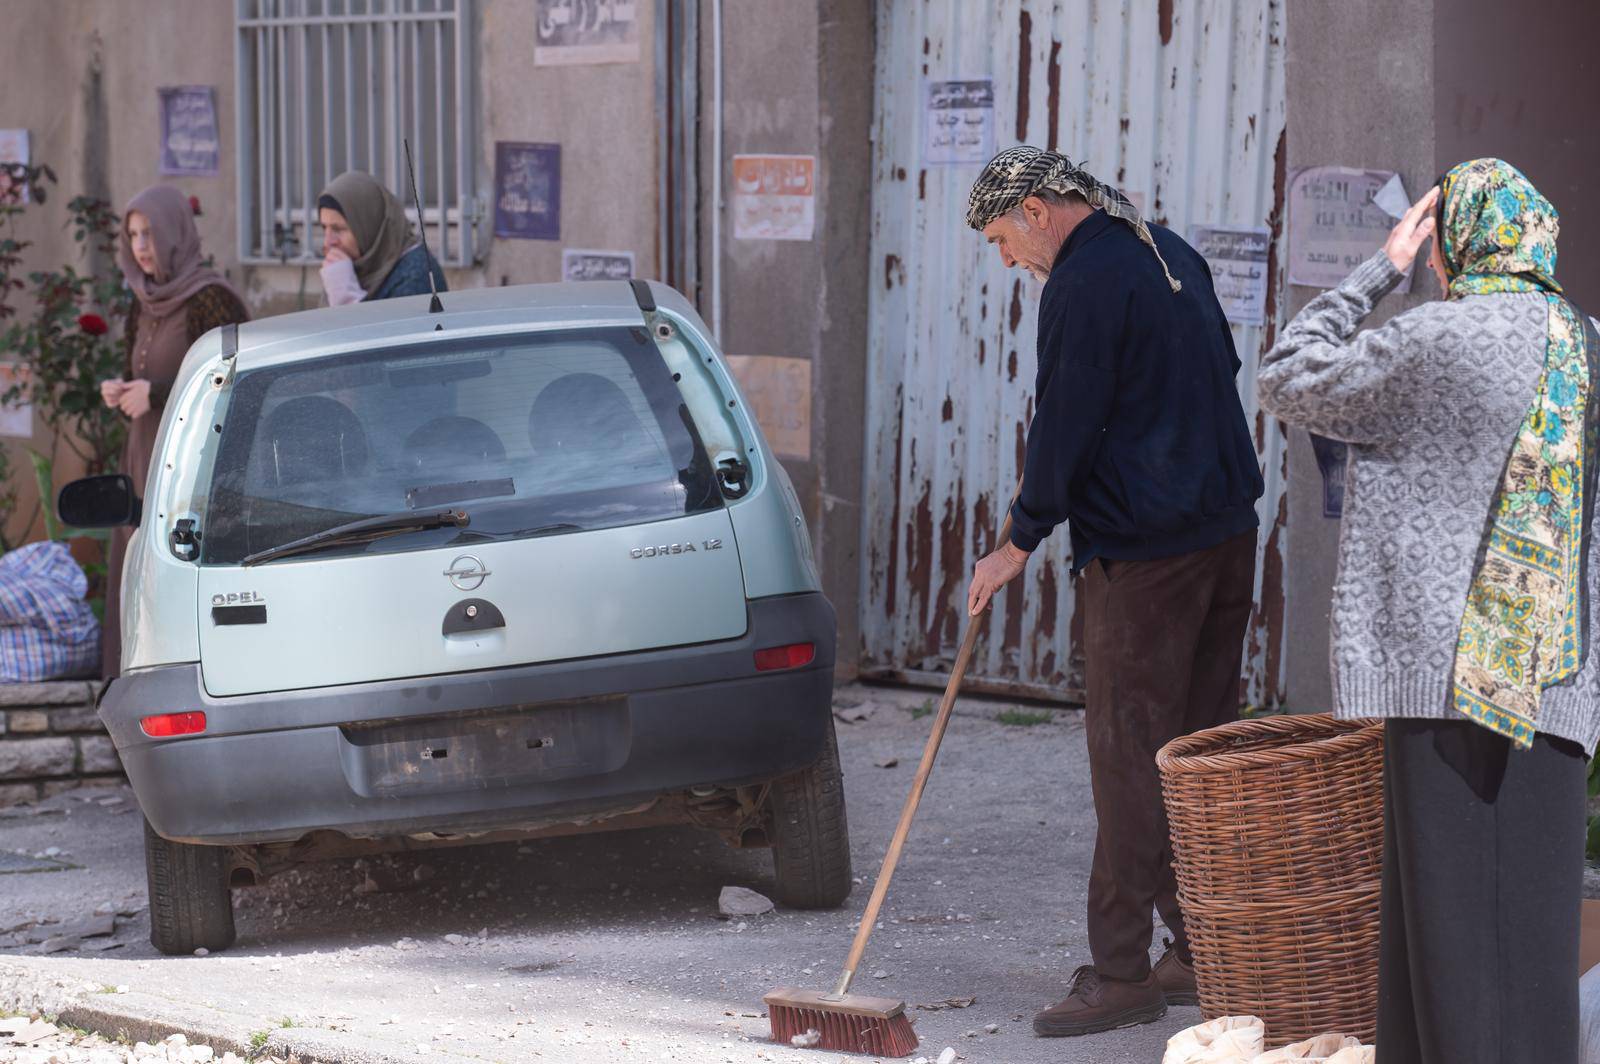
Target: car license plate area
505,749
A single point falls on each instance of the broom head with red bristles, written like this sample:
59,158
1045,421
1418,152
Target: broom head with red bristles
849,1023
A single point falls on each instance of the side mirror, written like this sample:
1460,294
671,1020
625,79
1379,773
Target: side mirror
99,502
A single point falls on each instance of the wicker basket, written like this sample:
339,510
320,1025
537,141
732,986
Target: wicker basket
1277,835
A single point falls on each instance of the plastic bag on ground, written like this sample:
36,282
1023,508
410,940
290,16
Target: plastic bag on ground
1320,1048
1241,1040
1225,1040
1589,1016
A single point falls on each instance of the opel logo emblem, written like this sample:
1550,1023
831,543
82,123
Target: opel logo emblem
466,573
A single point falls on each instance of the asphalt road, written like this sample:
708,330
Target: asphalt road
608,947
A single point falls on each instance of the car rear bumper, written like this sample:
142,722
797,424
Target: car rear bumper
478,751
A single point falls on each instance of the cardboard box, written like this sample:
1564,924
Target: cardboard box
1589,936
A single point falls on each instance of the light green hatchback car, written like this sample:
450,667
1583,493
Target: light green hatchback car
521,567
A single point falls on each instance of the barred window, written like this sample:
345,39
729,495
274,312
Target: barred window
326,86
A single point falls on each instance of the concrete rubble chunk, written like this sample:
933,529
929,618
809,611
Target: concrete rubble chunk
741,901
948,1056
89,927
31,1032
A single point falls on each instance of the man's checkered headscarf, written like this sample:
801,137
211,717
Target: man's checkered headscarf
1020,172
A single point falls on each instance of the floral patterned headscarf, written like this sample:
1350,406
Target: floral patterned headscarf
1496,233
1523,628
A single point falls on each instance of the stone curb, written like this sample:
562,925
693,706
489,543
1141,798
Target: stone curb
140,1017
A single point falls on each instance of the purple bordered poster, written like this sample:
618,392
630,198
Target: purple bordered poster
190,143
527,190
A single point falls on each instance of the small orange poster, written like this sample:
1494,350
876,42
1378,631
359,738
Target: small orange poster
774,197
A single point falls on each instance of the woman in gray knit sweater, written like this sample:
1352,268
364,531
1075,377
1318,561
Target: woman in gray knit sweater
1462,608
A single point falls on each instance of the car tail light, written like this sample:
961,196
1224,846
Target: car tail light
165,725
790,657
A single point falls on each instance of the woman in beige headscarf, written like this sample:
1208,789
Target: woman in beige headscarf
369,248
177,299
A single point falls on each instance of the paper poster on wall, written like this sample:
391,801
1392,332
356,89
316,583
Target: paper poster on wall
1237,256
16,419
779,390
586,31
774,197
578,264
13,149
527,190
1335,225
1332,456
190,142
958,122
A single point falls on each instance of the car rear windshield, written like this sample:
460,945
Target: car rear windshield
532,435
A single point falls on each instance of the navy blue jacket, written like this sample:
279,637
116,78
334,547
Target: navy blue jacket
409,276
1138,437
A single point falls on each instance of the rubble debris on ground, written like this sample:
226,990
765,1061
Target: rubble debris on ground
742,901
31,1040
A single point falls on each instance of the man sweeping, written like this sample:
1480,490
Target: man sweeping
1140,445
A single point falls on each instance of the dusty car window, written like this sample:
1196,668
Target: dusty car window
532,435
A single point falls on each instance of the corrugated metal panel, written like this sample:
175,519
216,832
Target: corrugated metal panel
1180,105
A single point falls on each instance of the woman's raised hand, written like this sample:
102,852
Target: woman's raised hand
1409,233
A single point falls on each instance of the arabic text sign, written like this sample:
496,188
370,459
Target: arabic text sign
190,143
1237,256
527,190
779,390
578,264
13,149
958,122
586,31
1334,226
774,197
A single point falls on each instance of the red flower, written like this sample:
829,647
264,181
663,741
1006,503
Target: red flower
194,205
93,324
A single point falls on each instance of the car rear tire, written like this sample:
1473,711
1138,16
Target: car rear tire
810,835
191,906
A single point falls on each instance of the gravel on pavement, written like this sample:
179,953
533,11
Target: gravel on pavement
605,947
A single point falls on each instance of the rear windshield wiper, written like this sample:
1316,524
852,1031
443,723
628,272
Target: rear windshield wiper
363,531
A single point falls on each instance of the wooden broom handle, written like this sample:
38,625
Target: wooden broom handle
880,889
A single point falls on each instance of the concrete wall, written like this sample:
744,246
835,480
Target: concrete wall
797,79
80,80
1416,86
1528,92
1359,93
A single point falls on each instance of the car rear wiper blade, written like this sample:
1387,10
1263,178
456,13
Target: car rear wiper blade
363,531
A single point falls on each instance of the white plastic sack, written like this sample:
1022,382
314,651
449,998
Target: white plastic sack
1319,1048
1225,1040
1589,1016
1240,1040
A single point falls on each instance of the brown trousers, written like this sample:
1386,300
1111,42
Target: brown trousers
1163,642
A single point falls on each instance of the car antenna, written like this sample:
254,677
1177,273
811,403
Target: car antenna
434,306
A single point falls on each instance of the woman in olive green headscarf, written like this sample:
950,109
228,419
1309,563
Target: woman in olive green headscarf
1463,610
369,248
